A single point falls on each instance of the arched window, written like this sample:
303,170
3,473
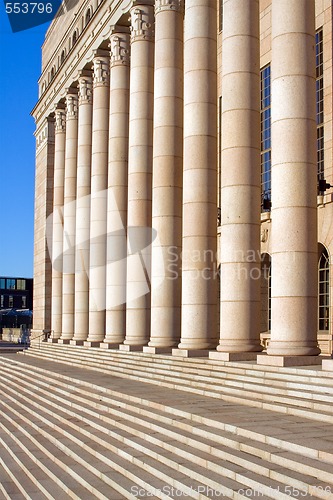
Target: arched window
323,289
88,17
62,57
52,73
265,292
75,37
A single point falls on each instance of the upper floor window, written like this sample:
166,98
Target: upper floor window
88,17
20,284
62,57
2,283
75,37
10,301
10,285
320,103
266,157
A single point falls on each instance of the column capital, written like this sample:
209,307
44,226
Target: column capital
60,119
85,89
120,53
71,105
142,22
167,5
101,68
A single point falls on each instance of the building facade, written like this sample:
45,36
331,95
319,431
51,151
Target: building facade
183,178
16,293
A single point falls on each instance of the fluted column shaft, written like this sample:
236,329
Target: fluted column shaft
199,285
68,284
117,189
57,229
83,209
167,174
240,178
98,210
294,180
140,176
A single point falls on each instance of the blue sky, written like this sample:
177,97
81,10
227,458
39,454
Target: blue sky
20,59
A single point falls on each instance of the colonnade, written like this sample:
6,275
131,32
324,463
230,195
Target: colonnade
136,149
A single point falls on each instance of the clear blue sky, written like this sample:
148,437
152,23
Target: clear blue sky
20,59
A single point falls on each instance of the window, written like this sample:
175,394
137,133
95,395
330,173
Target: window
88,17
266,161
24,301
265,292
2,298
75,37
10,301
52,73
20,284
320,103
323,290
10,284
221,15
62,57
2,283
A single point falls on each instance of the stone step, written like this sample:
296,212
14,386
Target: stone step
291,405
128,398
299,481
212,369
14,483
53,472
176,474
277,375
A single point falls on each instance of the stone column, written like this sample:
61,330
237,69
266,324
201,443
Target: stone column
240,181
98,210
68,278
294,186
82,245
199,282
167,176
140,178
117,190
43,225
57,229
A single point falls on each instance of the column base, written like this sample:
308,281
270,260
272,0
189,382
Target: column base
327,365
190,353
284,361
52,341
91,343
130,348
63,341
233,356
157,350
76,342
109,345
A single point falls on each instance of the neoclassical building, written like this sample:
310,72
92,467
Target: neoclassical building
183,178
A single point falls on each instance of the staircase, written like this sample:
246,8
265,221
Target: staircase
84,423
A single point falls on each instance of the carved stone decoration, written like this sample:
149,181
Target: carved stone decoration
120,54
60,120
142,21
264,235
101,67
85,89
71,106
176,5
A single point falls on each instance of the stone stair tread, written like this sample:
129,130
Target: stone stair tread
64,474
89,458
16,470
214,421
205,365
227,385
206,443
8,488
204,456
